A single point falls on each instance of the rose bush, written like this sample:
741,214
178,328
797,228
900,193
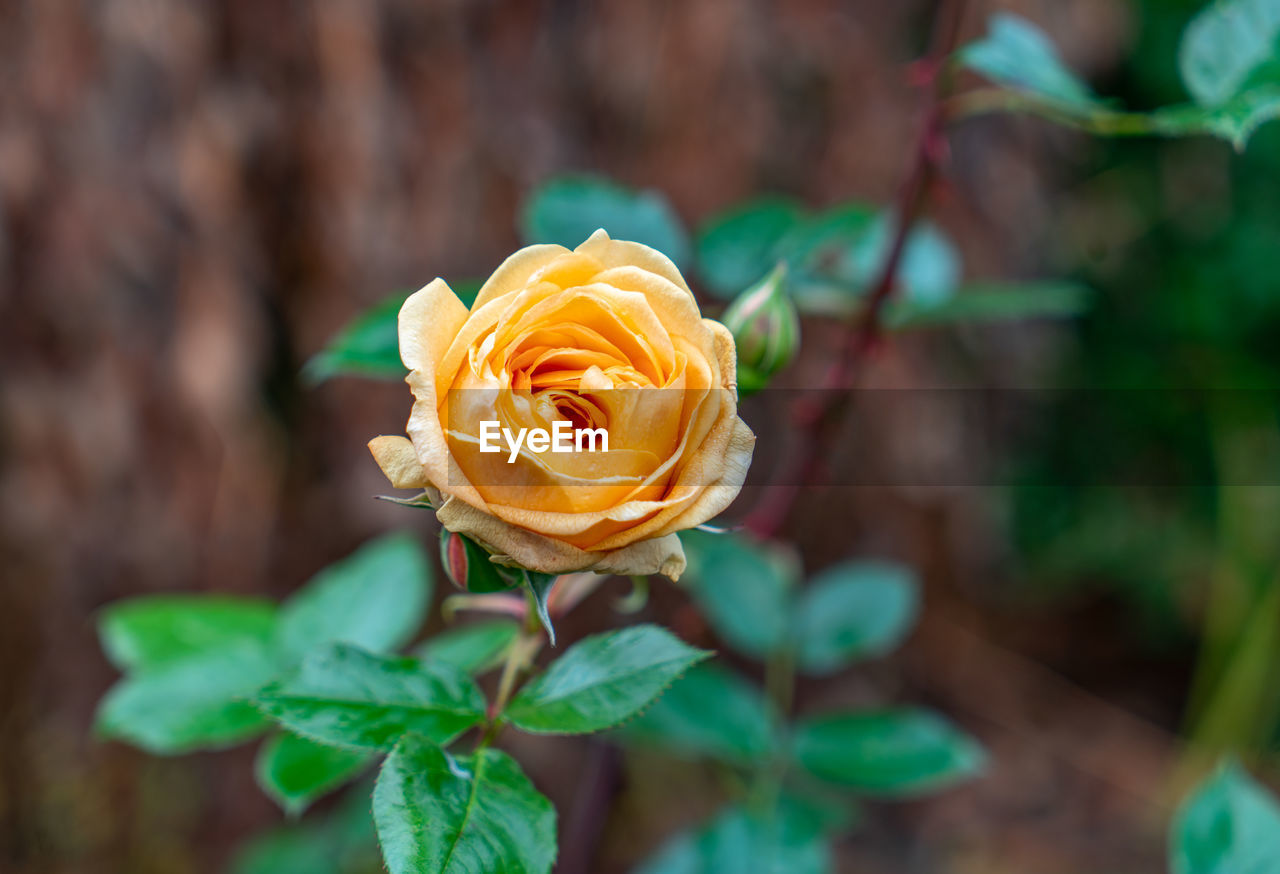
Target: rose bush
605,336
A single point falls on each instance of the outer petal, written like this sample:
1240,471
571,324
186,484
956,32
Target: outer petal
658,555
624,253
519,546
429,320
735,455
716,498
719,465
671,302
514,273
726,354
399,462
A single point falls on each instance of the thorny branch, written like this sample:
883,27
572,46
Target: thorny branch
816,415
814,419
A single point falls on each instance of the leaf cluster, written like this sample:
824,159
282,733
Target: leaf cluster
207,672
1228,60
803,774
832,257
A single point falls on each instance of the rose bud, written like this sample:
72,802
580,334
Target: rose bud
468,567
765,327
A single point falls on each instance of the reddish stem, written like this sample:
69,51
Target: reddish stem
814,417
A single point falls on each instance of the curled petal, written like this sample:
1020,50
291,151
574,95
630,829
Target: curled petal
519,546
399,462
624,253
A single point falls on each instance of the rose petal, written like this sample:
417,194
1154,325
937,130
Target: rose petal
396,457
429,320
623,253
518,546
513,273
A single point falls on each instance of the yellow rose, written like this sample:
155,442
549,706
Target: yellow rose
606,336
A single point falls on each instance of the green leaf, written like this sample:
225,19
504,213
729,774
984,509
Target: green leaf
440,814
841,253
369,346
988,301
833,256
1229,825
709,711
152,631
823,242
930,269
568,209
1019,55
679,855
1235,121
467,289
339,842
376,598
350,826
1229,60
855,610
602,680
295,772
468,565
1230,47
742,842
198,702
739,246
288,851
894,753
825,807
471,648
347,697
743,588
539,588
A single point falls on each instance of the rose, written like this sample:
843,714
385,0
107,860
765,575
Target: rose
607,335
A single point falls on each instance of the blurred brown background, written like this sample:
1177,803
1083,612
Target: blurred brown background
195,196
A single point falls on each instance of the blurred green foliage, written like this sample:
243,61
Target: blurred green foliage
1227,60
1229,823
1172,512
568,209
1184,311
752,595
832,258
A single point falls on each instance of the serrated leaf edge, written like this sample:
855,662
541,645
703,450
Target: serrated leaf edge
260,705
294,808
701,656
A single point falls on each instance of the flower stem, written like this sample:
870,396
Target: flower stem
780,685
520,655
780,680
816,418
1095,120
